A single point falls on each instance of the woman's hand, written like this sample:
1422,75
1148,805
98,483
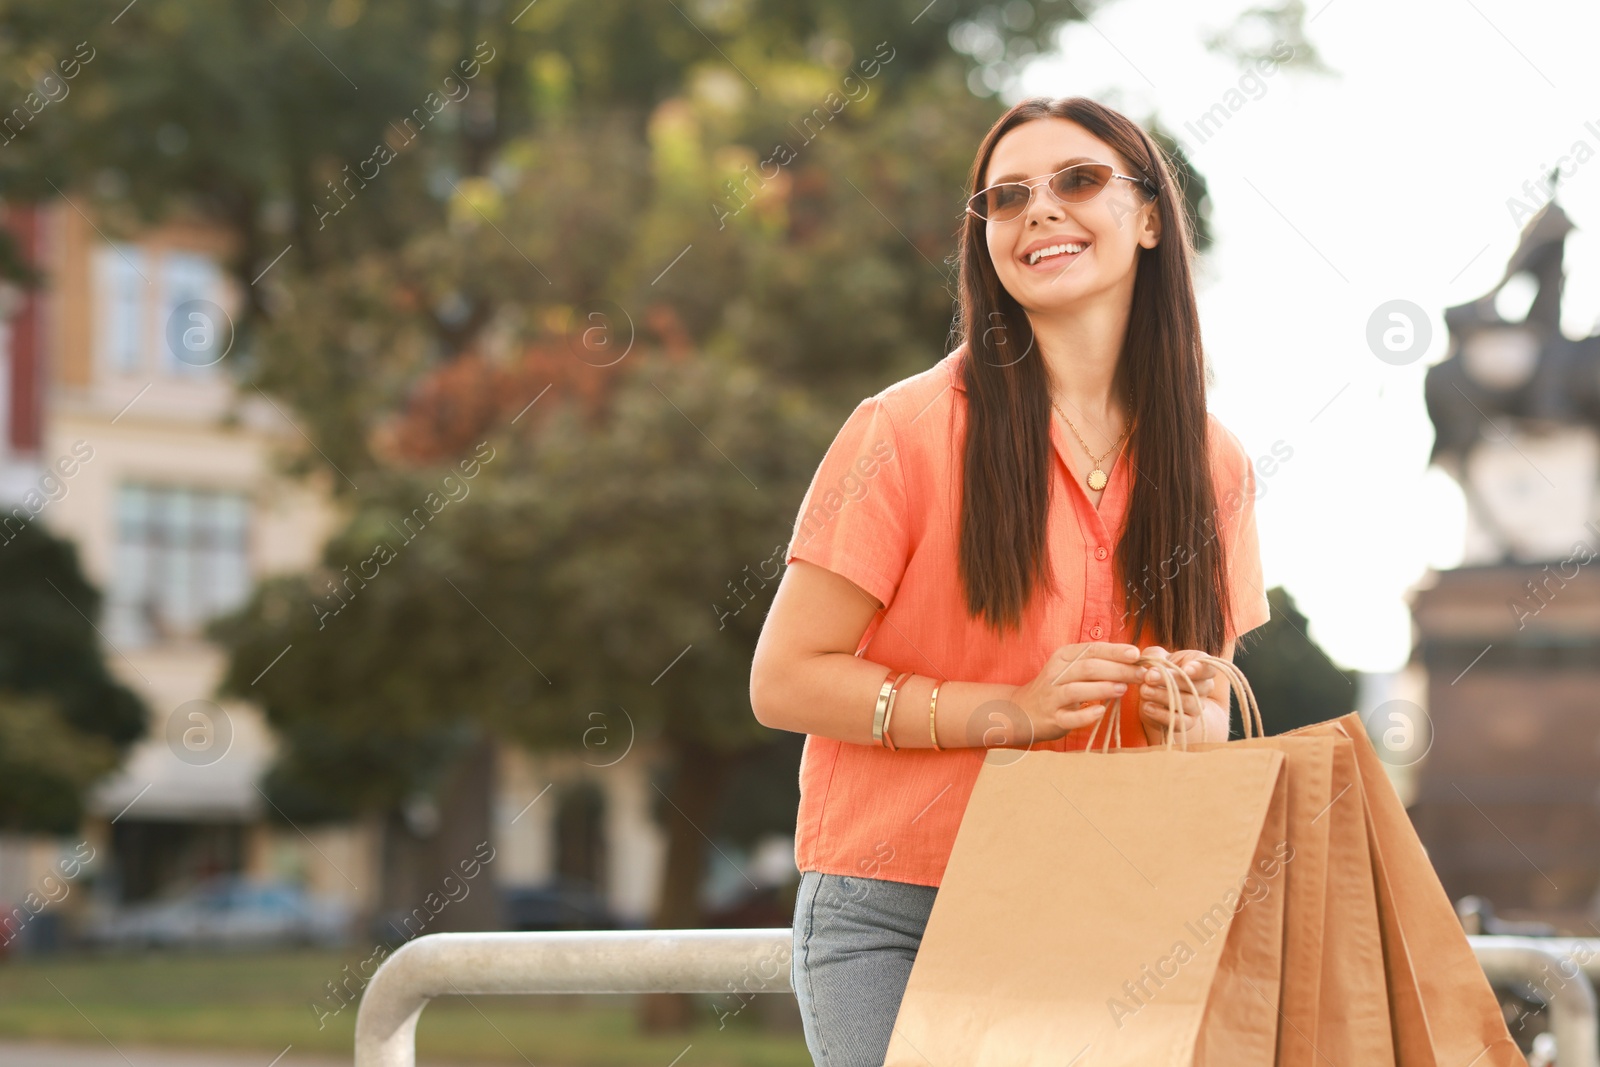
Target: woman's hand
1191,714
1075,685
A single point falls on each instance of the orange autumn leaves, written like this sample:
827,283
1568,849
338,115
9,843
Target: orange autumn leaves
462,401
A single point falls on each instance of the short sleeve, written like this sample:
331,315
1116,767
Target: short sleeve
1236,508
853,520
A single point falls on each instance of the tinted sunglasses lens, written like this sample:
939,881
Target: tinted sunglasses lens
1001,202
1083,182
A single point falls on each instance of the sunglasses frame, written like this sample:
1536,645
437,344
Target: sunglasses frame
1048,181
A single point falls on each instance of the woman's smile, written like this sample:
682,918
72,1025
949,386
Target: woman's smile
1056,257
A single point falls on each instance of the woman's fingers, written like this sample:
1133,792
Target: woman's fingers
1090,672
1187,706
1072,718
1198,682
1203,686
1165,719
1203,680
1086,702
1100,672
1189,702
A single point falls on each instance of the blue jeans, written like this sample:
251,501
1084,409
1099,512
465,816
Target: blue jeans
854,942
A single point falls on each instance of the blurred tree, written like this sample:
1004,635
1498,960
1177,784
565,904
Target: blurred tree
256,116
574,592
1294,681
332,133
732,221
1264,34
64,721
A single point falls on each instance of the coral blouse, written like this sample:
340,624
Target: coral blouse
883,511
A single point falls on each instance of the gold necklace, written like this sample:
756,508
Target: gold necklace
1097,477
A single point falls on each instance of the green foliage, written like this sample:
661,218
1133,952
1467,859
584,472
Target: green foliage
245,113
607,168
593,553
561,580
259,1002
590,149
1294,681
224,108
64,721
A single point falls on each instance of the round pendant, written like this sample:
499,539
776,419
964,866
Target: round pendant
1097,479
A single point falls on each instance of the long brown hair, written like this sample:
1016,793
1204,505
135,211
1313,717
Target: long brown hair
1168,560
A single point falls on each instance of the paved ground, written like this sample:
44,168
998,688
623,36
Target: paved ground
15,1054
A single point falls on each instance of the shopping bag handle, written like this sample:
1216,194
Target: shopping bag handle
1249,709
1171,674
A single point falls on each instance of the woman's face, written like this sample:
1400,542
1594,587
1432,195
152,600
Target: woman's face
1112,226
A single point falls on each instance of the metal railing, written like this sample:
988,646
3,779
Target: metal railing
611,961
1563,969
757,961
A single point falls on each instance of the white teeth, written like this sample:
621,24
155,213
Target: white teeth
1034,257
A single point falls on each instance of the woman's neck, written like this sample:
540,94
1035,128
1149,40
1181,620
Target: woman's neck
1081,355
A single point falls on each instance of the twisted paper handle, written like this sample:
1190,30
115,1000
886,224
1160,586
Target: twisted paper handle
1171,674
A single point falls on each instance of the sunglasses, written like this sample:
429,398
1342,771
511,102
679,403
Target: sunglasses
1077,184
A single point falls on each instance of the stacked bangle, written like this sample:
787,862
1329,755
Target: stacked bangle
888,715
879,712
933,707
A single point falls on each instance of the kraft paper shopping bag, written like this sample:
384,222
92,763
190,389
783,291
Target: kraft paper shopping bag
1353,1022
1086,908
1336,998
1242,1014
1443,1010
1308,770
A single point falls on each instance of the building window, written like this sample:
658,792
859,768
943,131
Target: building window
187,276
123,272
180,560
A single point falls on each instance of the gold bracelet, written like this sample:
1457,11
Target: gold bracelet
894,695
933,707
881,708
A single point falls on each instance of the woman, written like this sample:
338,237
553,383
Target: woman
988,546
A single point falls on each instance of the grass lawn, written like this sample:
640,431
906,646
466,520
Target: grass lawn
264,1002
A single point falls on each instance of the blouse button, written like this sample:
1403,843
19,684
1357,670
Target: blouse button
1100,552
1095,632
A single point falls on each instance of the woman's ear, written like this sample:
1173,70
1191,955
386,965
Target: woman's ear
1150,232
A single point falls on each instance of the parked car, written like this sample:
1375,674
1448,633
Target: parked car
227,911
561,905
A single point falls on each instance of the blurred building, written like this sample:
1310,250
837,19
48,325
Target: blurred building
177,510
1508,796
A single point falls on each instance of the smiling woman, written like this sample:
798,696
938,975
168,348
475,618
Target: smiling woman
981,591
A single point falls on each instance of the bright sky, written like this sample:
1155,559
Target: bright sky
1331,196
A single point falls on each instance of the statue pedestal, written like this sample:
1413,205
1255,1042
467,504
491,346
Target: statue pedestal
1508,796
